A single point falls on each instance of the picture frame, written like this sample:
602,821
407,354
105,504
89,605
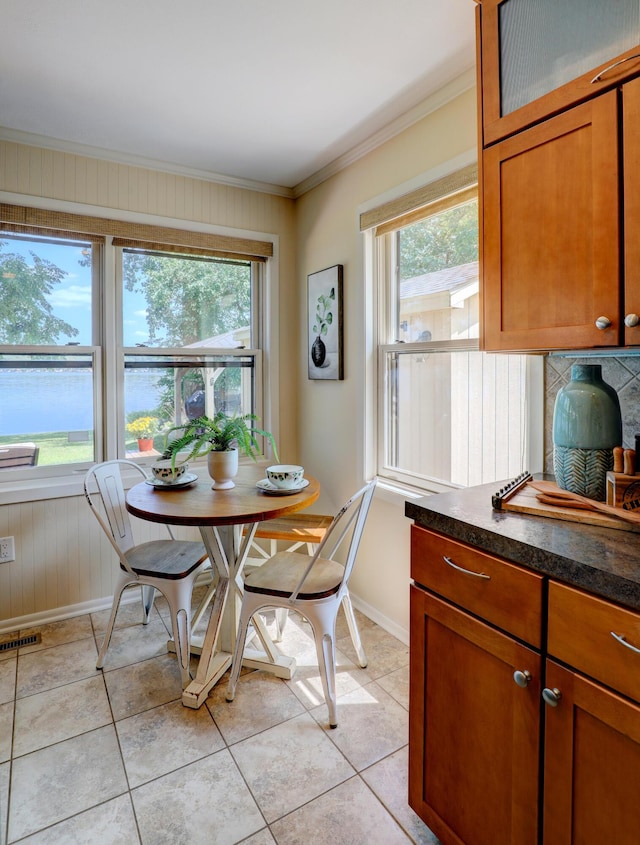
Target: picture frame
325,328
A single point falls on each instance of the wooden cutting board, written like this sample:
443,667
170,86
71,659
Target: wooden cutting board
524,501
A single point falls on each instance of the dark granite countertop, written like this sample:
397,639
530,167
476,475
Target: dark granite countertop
603,561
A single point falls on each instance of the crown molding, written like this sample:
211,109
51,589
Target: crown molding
31,139
448,92
440,98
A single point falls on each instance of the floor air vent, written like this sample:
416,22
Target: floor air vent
32,639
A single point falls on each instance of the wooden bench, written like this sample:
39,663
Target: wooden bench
19,455
297,529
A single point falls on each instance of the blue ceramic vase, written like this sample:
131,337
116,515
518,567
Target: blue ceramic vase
587,425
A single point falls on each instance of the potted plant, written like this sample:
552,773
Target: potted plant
144,429
220,438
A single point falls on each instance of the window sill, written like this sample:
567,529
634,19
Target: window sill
39,489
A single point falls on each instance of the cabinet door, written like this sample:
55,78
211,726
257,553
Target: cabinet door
473,732
631,126
551,233
591,764
539,58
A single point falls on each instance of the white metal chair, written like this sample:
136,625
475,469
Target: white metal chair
314,585
170,566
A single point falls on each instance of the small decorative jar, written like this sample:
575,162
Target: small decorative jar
587,425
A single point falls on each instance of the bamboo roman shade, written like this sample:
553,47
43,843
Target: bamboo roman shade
450,190
132,235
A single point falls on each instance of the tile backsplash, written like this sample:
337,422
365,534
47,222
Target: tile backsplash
622,372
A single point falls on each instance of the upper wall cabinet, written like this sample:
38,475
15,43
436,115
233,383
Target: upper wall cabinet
541,56
560,151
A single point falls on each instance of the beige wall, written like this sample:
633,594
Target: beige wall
332,414
61,559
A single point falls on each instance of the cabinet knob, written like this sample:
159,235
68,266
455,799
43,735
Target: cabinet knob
522,679
551,696
603,323
631,320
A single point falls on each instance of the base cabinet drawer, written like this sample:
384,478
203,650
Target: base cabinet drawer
595,637
504,594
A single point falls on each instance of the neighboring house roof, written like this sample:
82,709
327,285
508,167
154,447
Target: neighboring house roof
449,280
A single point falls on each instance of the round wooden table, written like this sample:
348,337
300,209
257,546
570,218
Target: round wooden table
227,520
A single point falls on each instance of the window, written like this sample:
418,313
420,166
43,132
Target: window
448,414
106,342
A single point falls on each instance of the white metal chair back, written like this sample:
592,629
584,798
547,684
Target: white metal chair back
170,566
349,520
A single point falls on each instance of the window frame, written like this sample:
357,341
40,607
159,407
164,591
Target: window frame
51,481
380,270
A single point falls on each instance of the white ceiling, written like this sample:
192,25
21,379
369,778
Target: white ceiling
263,91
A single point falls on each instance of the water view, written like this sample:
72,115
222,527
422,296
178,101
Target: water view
37,402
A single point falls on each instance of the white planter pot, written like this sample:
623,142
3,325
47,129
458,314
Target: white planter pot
223,468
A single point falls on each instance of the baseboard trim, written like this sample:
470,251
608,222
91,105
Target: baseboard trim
58,614
380,619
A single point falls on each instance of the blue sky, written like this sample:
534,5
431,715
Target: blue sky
71,298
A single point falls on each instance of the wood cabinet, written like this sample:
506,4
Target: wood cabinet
559,199
540,59
592,734
514,742
551,232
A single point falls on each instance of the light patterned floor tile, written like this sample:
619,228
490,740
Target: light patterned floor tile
135,643
384,652
261,701
262,837
111,823
397,685
8,678
142,686
5,769
59,714
389,779
54,667
205,803
128,614
289,764
349,814
57,782
371,725
166,738
6,730
58,633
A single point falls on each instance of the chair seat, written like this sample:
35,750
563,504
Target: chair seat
171,559
295,528
280,575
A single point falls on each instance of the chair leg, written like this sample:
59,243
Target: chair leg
282,615
123,582
148,595
323,623
353,630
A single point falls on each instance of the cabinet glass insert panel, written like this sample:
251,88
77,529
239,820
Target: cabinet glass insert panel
546,43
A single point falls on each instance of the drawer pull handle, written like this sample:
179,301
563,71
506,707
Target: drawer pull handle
599,76
466,571
522,679
620,638
551,696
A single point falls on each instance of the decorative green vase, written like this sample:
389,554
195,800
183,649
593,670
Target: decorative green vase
587,425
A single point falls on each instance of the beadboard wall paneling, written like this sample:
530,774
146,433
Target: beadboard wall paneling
74,178
63,557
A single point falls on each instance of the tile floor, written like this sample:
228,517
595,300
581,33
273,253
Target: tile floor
112,757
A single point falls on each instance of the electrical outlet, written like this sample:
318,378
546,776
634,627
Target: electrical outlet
7,549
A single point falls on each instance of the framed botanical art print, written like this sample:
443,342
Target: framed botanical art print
325,338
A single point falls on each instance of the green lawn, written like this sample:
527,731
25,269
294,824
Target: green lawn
56,448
